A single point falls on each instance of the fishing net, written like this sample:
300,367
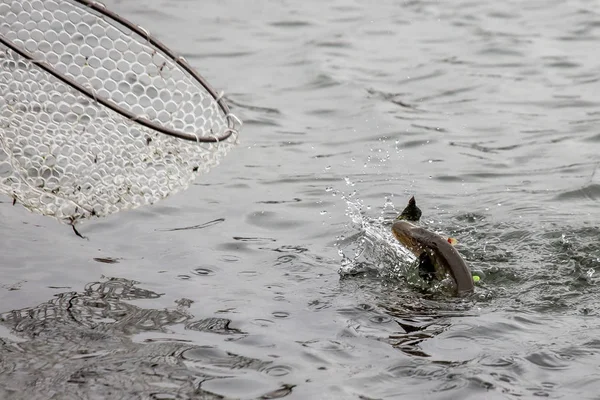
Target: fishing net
97,116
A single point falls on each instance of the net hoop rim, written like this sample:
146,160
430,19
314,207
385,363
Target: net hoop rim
232,120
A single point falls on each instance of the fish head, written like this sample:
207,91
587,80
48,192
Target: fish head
406,233
411,212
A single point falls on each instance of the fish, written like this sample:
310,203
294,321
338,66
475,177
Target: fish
437,256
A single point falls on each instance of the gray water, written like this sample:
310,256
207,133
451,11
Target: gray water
287,283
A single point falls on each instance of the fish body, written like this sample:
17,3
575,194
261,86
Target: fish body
436,255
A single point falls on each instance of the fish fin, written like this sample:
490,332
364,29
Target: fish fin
426,267
452,241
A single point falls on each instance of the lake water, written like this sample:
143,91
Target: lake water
288,283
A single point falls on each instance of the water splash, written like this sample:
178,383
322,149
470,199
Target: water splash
372,248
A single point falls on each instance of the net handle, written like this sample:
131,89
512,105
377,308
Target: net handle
231,120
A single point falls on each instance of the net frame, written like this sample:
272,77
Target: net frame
216,127
100,8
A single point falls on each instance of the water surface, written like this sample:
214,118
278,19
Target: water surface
487,112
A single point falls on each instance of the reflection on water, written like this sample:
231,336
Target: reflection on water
79,345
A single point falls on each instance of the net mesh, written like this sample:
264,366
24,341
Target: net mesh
95,115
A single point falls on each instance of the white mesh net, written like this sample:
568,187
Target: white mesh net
95,115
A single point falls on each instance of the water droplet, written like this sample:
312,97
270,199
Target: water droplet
229,258
380,319
323,212
262,322
280,314
183,277
327,168
203,271
278,370
106,260
590,272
